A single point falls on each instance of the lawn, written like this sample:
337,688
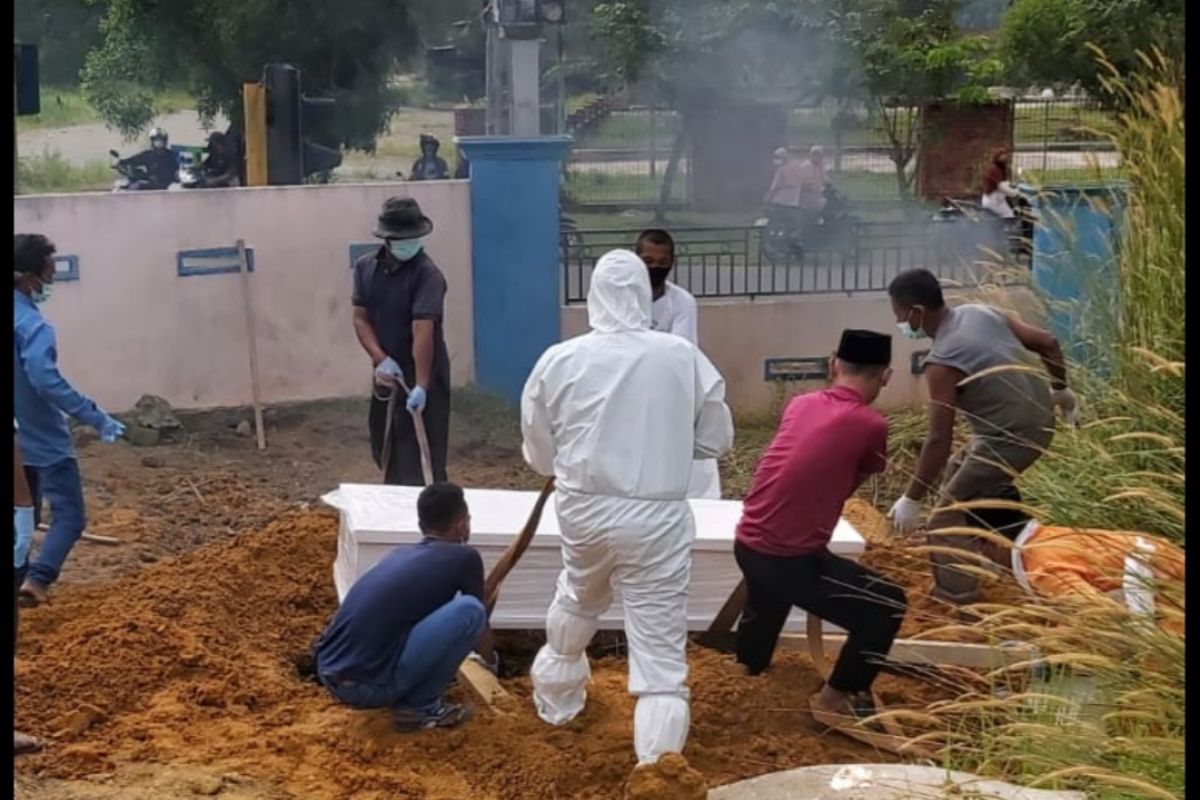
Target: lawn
1034,125
63,107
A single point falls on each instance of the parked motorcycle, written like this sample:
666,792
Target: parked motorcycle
1014,236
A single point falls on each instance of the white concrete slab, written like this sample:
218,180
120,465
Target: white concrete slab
377,519
879,782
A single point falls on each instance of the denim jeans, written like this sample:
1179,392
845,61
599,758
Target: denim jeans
62,486
424,668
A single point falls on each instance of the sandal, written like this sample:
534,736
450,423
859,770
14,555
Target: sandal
858,726
32,595
446,715
24,744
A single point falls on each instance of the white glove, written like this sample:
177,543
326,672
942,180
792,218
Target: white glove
1066,402
388,372
905,515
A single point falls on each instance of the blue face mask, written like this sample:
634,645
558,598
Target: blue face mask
405,249
908,332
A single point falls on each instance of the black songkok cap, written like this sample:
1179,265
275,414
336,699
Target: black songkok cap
867,348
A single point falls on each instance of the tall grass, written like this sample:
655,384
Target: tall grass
1110,720
51,172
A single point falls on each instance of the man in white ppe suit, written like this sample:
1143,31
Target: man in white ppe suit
673,310
616,416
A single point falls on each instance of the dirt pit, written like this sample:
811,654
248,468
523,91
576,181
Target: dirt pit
191,662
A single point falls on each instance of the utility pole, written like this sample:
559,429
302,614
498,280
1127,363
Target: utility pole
514,28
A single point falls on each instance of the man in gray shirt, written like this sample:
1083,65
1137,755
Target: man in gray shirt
979,364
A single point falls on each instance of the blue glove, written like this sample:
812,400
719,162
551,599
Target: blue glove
416,399
23,526
111,430
388,372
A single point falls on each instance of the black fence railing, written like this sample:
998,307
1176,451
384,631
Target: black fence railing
740,262
623,157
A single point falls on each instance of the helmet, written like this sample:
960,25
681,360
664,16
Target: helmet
159,133
429,139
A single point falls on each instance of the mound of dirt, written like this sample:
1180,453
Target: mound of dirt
669,778
191,661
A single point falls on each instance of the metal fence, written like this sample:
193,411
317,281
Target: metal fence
622,159
732,262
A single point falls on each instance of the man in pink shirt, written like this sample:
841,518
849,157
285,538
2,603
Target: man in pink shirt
828,442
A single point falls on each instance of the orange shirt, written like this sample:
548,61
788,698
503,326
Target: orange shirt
1055,561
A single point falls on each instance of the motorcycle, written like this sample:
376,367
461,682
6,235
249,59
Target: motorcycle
788,232
1014,235
133,178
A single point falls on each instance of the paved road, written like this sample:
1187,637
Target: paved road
83,143
876,163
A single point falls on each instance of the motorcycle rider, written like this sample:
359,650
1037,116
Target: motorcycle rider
154,168
430,166
220,166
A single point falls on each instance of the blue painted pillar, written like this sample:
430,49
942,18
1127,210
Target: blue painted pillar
515,255
1075,247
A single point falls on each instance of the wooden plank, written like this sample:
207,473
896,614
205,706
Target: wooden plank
482,683
920,651
254,106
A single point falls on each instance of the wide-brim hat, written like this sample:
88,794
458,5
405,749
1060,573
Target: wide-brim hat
401,218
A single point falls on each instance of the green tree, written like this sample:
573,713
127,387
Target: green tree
347,50
907,61
1047,41
64,30
699,53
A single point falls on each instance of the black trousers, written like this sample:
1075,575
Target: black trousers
404,468
835,589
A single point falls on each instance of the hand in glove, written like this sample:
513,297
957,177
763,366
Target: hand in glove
23,527
905,515
416,399
388,373
1066,402
110,430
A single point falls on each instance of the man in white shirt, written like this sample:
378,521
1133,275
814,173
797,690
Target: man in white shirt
673,310
616,415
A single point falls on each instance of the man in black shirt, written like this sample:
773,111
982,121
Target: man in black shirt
407,624
399,296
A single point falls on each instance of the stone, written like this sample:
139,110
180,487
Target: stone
880,782
154,412
244,429
153,462
142,437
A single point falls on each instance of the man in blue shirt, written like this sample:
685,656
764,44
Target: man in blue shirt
42,400
406,625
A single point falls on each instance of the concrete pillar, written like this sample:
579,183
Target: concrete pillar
527,109
516,274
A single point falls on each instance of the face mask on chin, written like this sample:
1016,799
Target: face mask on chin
658,276
909,332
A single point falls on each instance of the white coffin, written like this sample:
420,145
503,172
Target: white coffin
377,519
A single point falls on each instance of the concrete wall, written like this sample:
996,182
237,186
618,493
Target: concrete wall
130,325
740,334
